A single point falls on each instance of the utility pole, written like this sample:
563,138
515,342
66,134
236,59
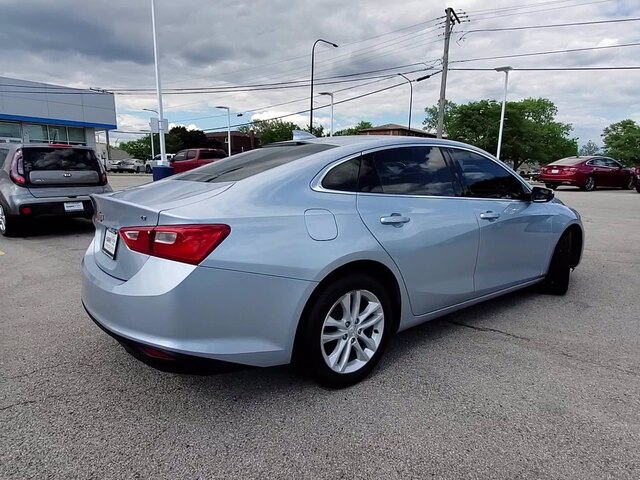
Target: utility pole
451,19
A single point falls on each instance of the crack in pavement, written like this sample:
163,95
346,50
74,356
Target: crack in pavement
39,370
25,402
545,348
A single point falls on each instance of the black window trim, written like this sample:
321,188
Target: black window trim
316,183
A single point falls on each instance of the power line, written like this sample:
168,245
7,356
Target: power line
323,106
545,69
501,15
550,52
555,25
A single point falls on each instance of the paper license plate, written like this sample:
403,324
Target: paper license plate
73,207
110,244
555,170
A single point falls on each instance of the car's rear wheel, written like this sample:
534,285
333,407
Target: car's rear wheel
557,280
346,331
638,186
9,226
589,184
631,183
552,186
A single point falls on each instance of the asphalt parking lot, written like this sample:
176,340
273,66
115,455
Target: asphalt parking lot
526,386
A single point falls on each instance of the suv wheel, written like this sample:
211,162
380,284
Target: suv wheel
346,331
8,225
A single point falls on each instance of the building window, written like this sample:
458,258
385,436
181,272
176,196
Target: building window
58,134
10,130
76,135
36,134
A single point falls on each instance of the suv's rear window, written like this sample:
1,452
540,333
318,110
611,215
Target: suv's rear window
43,158
253,162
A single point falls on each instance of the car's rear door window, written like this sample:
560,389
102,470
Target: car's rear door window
420,170
484,178
244,165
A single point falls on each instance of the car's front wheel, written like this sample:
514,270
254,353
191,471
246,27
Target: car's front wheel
346,331
557,280
148,169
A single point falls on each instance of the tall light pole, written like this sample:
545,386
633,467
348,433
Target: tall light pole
313,56
153,154
506,71
222,107
410,98
331,95
156,56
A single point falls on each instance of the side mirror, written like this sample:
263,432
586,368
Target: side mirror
541,195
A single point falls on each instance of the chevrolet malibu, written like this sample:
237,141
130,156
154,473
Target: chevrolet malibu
587,173
316,251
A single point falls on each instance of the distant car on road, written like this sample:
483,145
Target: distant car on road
44,179
587,173
112,165
318,251
131,165
156,161
192,158
636,173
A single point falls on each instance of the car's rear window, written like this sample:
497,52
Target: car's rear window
567,161
252,163
44,158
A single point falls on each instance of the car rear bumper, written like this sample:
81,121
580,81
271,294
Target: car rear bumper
192,311
559,179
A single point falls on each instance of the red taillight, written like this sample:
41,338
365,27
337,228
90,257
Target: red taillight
182,243
16,172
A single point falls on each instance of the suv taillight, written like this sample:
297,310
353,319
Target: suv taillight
181,243
17,169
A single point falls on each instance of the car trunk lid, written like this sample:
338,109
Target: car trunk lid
140,206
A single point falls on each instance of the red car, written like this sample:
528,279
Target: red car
588,173
637,173
195,157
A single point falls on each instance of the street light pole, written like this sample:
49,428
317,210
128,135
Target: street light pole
163,150
313,56
153,153
506,71
222,107
331,95
410,98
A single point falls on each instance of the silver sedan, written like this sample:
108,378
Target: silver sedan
317,251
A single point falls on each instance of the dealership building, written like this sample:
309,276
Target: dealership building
33,112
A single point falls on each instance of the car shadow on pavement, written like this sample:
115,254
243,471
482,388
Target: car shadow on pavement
56,227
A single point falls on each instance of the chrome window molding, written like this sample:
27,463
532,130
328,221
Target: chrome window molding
316,183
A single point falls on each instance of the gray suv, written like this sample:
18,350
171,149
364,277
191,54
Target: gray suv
44,179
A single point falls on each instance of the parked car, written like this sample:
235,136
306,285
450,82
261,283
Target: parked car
155,161
44,179
318,251
636,173
112,165
587,173
131,165
192,158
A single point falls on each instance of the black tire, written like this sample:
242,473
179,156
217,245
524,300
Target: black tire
557,280
147,169
589,184
638,187
552,186
311,353
10,226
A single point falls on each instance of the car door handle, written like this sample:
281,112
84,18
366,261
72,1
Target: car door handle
394,219
489,215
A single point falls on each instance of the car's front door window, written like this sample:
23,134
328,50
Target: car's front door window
484,178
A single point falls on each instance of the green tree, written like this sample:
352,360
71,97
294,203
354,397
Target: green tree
588,149
355,130
180,138
139,148
531,132
270,131
622,141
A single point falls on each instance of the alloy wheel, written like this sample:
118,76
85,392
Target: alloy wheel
352,331
589,184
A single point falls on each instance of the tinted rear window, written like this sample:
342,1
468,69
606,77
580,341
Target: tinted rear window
44,158
252,163
567,161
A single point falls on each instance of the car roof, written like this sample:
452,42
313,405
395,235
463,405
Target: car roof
372,141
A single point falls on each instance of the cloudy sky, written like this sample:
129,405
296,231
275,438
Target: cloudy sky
212,44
